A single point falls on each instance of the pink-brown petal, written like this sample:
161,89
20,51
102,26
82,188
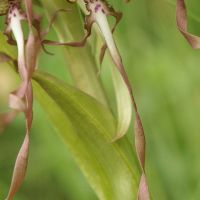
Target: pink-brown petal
182,24
20,168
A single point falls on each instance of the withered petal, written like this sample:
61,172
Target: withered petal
182,24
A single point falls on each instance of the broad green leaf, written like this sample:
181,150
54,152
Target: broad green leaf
87,128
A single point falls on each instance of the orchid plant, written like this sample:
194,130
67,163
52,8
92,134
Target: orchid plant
98,10
21,100
26,64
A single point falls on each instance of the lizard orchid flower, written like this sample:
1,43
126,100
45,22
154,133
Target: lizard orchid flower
98,11
28,50
21,100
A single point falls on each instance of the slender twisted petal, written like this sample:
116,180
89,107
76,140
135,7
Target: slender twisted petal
19,169
21,100
181,18
16,100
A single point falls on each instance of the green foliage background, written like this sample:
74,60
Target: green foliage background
165,75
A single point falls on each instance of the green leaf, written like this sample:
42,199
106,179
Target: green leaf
5,47
87,128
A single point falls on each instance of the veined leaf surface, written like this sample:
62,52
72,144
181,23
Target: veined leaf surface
87,128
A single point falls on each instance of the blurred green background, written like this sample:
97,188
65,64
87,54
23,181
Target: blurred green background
165,75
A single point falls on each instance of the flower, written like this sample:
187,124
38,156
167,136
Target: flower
21,100
98,11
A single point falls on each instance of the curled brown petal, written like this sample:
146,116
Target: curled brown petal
29,111
29,12
21,100
143,192
181,18
20,168
52,19
22,158
75,44
33,47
